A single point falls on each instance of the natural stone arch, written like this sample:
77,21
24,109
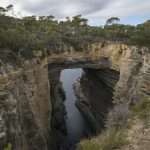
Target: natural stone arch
32,97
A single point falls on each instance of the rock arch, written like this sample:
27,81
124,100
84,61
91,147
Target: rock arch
29,102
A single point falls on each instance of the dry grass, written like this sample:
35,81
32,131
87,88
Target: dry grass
107,141
112,139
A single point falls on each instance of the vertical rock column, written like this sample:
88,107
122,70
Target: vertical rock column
32,94
58,122
127,82
26,109
94,94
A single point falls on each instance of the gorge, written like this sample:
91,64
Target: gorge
76,124
32,96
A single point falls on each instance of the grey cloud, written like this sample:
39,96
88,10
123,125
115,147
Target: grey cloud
62,8
91,9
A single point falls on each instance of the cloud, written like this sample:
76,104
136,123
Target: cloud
61,8
124,9
95,10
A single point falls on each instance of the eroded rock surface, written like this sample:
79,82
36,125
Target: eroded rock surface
94,93
25,106
123,82
25,103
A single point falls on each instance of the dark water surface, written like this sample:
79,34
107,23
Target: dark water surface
76,123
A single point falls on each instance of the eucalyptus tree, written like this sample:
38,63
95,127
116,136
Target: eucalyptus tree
112,20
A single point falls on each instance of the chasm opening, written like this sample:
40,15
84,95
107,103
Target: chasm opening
77,125
80,101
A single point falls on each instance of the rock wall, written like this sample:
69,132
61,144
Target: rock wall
134,81
25,93
95,94
58,123
99,89
25,106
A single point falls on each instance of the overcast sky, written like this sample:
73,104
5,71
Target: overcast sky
97,11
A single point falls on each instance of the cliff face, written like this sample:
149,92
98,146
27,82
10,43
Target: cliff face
25,106
95,94
58,123
120,73
126,81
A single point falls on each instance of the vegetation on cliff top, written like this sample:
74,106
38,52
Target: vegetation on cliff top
117,138
23,36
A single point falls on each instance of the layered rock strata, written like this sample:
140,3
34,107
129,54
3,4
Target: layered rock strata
58,122
94,93
25,93
25,106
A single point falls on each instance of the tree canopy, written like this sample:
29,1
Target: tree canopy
112,20
26,35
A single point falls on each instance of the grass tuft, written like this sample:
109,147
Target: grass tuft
142,110
109,142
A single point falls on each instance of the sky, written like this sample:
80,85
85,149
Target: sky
96,11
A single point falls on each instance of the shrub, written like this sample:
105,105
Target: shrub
117,117
142,110
89,146
111,141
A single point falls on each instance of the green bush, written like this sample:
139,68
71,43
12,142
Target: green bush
30,34
114,140
142,109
